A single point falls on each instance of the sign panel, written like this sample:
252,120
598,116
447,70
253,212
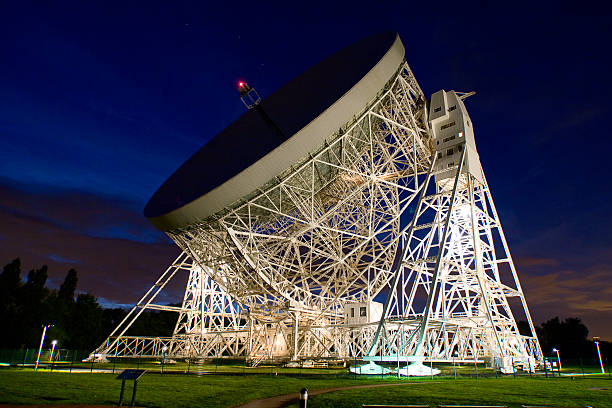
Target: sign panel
130,374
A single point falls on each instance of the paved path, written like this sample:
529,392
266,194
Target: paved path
283,400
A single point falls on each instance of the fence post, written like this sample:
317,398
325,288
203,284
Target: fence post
25,357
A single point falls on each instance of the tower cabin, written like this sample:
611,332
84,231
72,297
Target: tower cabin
452,132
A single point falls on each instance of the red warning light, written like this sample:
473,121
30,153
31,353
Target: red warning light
240,84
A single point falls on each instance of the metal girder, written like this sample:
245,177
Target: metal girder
270,276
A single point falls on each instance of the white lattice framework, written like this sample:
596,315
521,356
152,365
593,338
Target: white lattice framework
269,277
466,316
324,233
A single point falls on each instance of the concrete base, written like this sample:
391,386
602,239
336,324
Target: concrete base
418,369
370,369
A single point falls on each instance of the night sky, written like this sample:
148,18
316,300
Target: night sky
101,101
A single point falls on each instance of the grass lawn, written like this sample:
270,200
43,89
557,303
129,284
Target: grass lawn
155,390
211,367
557,392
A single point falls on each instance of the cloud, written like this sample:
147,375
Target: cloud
71,230
89,214
60,259
584,293
530,261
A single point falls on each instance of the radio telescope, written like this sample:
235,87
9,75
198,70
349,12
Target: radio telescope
343,216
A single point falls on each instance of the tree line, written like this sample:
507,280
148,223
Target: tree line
79,322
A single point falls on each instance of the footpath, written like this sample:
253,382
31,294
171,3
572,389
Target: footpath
283,400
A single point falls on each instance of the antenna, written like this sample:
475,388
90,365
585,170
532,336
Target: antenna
465,95
248,95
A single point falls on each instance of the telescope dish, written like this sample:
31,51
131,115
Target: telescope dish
284,128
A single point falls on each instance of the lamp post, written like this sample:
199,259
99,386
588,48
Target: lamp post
556,350
596,340
53,344
42,340
303,398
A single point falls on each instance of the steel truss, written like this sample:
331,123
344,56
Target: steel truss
270,276
451,280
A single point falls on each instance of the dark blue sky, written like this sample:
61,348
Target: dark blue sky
101,101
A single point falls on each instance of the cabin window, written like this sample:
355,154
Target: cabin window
449,152
447,125
362,311
352,312
438,109
452,108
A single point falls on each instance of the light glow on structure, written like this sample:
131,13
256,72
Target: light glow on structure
291,271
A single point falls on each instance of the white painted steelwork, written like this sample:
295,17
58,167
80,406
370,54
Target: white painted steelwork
394,201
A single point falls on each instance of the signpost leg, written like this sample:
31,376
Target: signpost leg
134,393
121,394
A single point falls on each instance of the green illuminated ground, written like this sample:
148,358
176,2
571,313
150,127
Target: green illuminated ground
156,390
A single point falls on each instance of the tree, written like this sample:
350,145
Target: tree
10,279
33,312
10,284
66,290
85,326
569,335
63,303
523,327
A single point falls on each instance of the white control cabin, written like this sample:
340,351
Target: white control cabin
362,313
